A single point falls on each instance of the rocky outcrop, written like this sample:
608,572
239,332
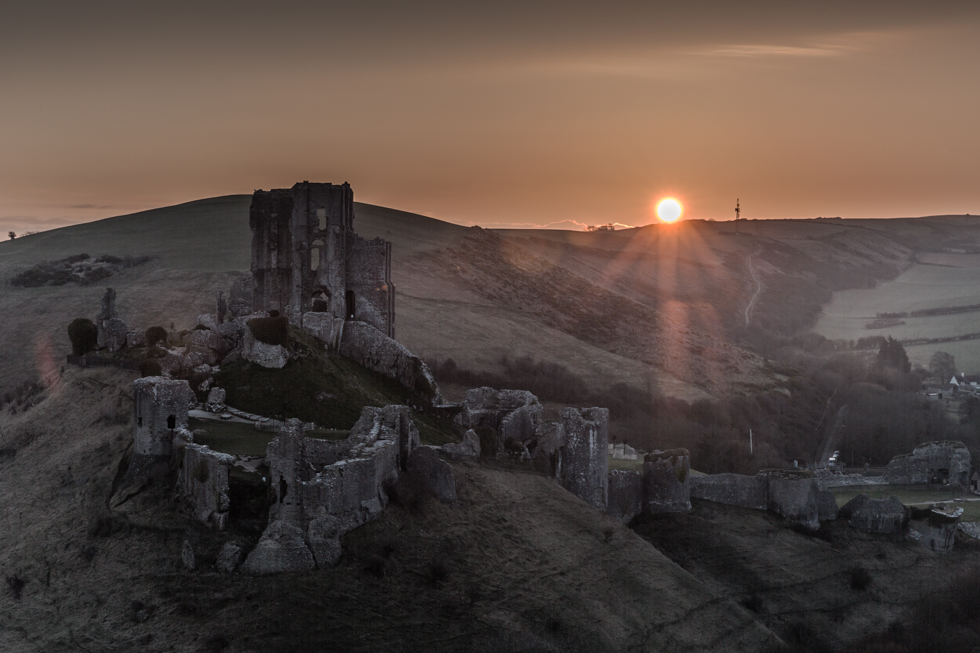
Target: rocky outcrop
667,481
875,515
229,557
365,345
934,529
281,549
260,353
935,463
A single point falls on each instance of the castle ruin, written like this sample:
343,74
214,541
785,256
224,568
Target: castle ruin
307,259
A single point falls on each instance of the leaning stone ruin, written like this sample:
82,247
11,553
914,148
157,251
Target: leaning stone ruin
933,463
112,332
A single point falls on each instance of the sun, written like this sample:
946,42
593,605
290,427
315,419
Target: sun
669,209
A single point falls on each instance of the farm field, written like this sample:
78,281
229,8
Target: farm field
955,282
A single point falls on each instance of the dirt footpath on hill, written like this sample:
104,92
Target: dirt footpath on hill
519,564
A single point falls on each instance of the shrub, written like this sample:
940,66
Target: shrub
150,367
155,334
83,335
270,330
860,578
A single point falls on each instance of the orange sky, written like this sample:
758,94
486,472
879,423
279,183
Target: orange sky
506,113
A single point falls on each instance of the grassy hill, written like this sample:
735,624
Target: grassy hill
518,564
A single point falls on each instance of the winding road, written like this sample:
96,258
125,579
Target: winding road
755,278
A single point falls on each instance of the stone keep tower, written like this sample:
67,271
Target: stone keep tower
306,257
161,407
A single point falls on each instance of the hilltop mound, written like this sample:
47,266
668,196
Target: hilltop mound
517,564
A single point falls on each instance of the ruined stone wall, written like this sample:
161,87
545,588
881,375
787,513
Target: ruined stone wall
160,408
509,413
204,485
732,489
584,460
270,217
667,481
625,495
793,496
367,346
932,463
369,279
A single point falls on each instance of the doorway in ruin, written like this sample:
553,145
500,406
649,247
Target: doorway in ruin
320,301
940,477
172,422
349,297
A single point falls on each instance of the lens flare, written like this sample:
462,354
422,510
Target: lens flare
669,209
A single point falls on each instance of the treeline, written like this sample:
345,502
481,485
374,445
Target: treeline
870,401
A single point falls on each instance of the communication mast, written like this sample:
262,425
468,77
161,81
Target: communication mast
737,212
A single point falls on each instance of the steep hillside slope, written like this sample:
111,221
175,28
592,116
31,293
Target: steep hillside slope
517,564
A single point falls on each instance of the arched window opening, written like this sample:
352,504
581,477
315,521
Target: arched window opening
314,258
172,422
321,216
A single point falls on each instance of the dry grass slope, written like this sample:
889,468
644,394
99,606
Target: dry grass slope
517,564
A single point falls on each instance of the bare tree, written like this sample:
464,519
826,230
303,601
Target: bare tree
943,365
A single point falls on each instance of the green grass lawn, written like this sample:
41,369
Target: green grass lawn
629,465
917,496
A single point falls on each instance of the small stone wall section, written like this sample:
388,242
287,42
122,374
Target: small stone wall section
732,489
667,481
792,494
203,485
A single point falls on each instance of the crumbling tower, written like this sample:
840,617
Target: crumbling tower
306,257
161,408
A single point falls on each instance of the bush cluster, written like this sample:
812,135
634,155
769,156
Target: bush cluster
156,335
270,330
80,268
